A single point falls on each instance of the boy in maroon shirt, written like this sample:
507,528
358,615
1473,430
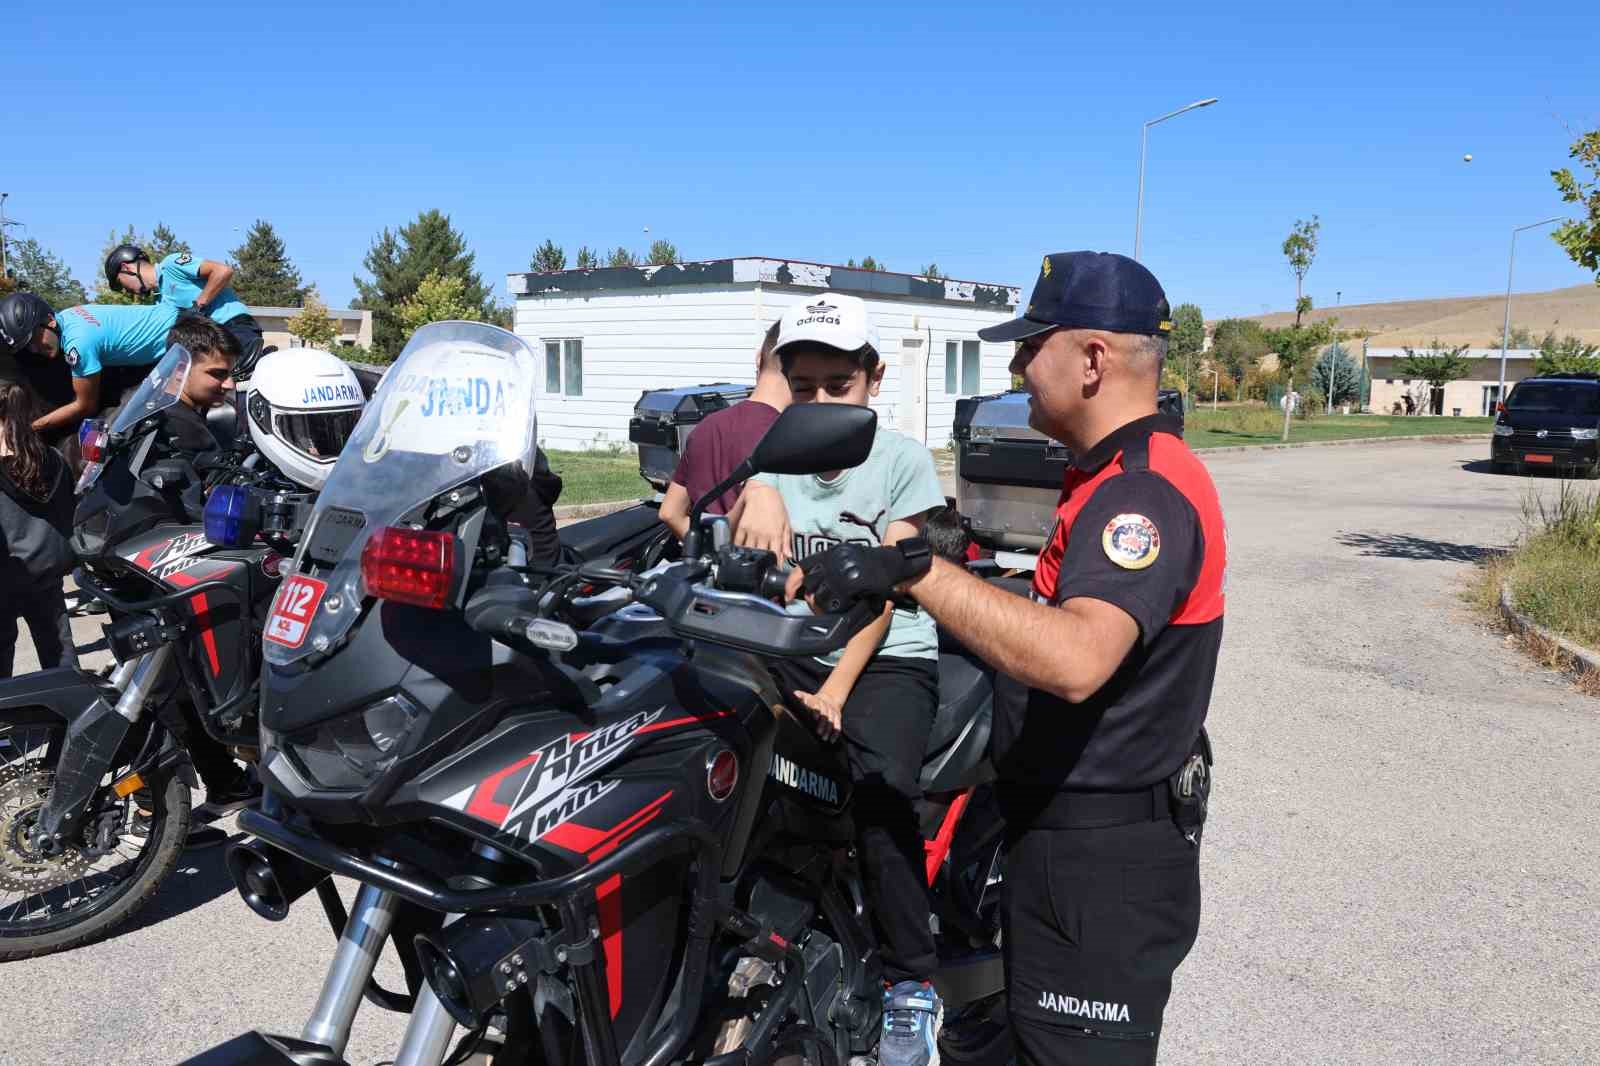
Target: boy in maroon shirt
724,440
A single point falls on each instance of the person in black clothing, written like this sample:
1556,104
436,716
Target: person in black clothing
213,351
36,506
534,510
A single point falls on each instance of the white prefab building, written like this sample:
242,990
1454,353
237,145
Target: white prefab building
607,335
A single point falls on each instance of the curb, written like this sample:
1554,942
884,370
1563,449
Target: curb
1587,660
1346,442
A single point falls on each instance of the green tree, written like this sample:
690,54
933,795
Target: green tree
41,272
1515,337
663,253
399,261
932,271
1337,377
548,258
263,276
621,257
1437,366
1294,346
439,298
1300,249
313,325
163,242
587,259
1188,336
1238,344
870,263
1581,236
1569,355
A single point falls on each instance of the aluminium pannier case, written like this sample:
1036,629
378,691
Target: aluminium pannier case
1008,474
663,419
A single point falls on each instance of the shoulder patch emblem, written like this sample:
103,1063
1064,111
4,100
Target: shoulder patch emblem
70,357
1131,541
184,259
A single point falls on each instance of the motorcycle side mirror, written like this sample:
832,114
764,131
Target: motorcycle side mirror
813,438
808,438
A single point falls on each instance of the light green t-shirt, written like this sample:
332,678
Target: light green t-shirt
897,481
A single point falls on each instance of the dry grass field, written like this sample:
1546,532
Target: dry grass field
1472,320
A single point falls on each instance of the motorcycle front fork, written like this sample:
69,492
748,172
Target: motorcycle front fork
428,1033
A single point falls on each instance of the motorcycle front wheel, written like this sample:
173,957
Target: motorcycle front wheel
55,902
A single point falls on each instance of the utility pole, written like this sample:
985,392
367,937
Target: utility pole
4,222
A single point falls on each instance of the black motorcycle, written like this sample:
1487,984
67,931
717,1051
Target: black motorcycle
95,776
593,832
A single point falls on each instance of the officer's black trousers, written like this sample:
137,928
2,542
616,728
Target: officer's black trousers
1096,920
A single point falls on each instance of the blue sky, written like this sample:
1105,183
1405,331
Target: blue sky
977,135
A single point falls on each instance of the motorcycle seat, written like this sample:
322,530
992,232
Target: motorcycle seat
965,685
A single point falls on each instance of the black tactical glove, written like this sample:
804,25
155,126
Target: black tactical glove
843,576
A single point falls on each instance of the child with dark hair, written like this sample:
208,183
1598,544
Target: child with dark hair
946,535
213,351
36,506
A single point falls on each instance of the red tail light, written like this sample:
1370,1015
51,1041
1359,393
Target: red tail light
1500,408
410,566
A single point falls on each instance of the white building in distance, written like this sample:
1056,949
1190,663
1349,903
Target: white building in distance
607,335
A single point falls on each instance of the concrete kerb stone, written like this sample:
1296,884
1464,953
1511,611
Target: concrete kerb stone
1588,660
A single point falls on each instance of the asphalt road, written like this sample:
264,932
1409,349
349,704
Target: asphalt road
1401,866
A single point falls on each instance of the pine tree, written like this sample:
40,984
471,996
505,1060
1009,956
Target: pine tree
548,258
399,261
587,259
663,253
163,242
621,257
263,276
38,271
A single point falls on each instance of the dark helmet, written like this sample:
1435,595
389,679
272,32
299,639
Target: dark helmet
21,315
121,256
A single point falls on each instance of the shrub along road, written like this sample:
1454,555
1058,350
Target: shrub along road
1400,867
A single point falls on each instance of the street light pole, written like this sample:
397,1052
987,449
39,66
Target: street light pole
1505,333
1144,144
3,196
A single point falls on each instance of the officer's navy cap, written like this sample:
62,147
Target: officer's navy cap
1090,290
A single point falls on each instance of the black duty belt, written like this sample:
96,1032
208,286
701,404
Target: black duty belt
1098,810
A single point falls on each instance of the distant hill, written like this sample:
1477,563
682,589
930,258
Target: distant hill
1474,320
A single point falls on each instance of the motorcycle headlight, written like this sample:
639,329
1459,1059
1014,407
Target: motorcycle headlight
1503,430
352,751
1585,434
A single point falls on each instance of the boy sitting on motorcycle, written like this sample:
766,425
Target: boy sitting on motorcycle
213,352
882,690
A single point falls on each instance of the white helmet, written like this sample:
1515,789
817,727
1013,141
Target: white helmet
302,404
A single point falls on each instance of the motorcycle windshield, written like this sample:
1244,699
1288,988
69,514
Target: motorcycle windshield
158,391
458,403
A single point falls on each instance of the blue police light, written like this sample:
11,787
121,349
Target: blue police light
232,516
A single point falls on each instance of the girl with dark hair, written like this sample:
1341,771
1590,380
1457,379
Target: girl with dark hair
36,505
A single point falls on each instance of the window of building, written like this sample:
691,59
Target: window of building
961,364
1388,381
563,367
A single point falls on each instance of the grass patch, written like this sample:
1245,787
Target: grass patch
1554,575
1204,428
598,477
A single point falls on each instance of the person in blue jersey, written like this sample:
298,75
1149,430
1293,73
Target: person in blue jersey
189,284
106,347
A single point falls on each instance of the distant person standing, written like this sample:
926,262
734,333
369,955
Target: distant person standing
726,439
187,284
36,504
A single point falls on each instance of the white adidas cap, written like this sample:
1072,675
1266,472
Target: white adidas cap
830,318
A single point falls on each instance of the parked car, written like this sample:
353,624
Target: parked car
1550,422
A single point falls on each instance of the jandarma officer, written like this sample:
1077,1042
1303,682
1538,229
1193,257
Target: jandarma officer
1103,764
